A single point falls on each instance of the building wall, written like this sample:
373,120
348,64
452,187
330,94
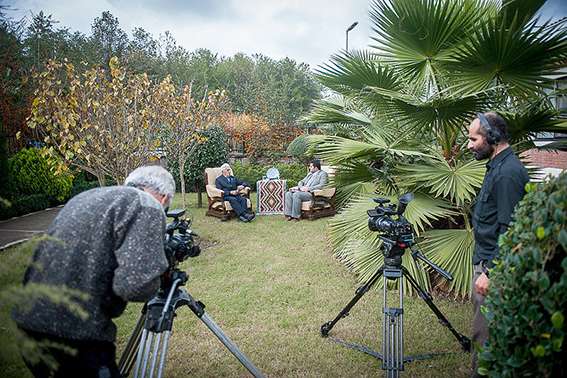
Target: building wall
551,162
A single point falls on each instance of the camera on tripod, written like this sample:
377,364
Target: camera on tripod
146,350
183,244
397,235
396,232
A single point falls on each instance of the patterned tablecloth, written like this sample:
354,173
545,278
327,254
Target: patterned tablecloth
271,195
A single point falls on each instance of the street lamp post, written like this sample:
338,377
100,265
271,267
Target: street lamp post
349,29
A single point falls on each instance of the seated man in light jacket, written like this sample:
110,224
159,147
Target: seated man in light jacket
315,179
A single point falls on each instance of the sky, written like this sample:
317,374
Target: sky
308,31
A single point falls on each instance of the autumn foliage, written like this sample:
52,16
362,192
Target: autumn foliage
108,123
255,136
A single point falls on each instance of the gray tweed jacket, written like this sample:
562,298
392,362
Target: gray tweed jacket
107,243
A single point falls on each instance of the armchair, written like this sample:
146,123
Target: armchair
218,207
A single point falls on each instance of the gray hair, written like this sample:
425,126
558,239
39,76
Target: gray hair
225,166
154,178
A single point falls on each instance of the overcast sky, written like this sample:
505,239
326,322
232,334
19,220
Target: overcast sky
307,31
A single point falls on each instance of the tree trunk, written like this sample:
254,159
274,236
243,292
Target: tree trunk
182,179
199,195
101,179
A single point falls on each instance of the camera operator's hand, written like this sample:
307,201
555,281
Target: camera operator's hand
234,192
481,284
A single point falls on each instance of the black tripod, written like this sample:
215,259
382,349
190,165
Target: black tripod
148,344
392,355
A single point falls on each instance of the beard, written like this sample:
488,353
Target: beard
483,152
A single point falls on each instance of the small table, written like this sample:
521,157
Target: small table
271,196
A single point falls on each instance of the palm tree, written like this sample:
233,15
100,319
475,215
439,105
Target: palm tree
434,65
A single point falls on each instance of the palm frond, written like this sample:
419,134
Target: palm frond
443,114
452,250
524,9
458,182
418,36
349,75
353,178
424,209
531,119
519,58
338,150
335,112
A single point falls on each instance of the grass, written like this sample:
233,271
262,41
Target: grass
269,285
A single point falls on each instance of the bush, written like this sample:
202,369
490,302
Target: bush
211,153
3,166
298,148
254,172
82,184
527,300
31,172
23,205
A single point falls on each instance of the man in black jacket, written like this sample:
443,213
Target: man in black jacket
108,244
502,189
232,187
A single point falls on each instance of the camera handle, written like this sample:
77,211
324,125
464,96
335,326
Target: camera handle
145,346
416,254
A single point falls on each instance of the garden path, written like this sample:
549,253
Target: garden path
15,230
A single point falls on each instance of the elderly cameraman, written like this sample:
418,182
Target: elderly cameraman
502,189
107,243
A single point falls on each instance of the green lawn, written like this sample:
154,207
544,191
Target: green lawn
269,285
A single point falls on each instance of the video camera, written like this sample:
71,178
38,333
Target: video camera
183,244
397,232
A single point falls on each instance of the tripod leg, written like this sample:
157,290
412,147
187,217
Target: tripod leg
155,354
129,355
326,328
392,330
463,340
141,349
230,345
163,353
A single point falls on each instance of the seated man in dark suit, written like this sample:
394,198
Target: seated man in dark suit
232,187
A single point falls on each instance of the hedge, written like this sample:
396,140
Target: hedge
32,183
527,300
23,205
30,172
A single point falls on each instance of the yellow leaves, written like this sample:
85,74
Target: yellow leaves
18,135
109,121
113,63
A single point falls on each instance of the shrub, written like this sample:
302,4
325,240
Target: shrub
254,172
81,184
298,148
30,172
527,300
3,166
211,153
23,205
